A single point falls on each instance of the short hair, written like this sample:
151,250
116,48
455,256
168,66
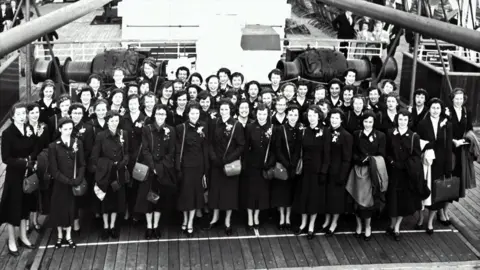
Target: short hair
148,95
334,81
231,94
316,109
18,105
390,82
99,102
195,74
250,83
86,89
45,84
74,106
391,95
203,95
359,97
150,61
288,84
302,83
62,98
323,101
402,112
32,105
110,115
292,107
261,107
225,101
63,121
278,98
182,68
436,101
348,88
192,105
198,88
421,91
238,74
457,91
369,113
240,103
115,69
96,77
276,72
371,89
211,77
133,96
350,69
338,111
226,71
158,107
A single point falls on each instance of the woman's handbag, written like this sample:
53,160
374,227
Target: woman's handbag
268,174
233,168
299,168
140,170
445,189
279,171
81,189
30,183
152,197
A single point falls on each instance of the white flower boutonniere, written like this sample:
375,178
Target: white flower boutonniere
213,115
268,133
319,133
122,111
243,96
228,127
28,132
370,138
335,136
82,130
53,105
217,99
443,123
340,103
121,139
200,131
167,134
41,129
90,111
255,104
75,146
447,111
139,124
395,132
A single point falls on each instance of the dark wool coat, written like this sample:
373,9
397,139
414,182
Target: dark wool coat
17,148
47,111
62,159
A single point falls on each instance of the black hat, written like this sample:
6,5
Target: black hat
151,62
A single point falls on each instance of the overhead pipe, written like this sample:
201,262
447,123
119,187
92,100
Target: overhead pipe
25,33
454,34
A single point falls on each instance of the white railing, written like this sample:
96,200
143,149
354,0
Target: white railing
431,56
356,48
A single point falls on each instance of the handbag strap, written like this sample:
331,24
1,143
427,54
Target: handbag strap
139,151
268,147
411,144
301,148
183,142
75,163
155,88
286,141
230,140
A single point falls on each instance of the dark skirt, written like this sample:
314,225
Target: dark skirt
336,196
114,201
309,195
401,201
62,211
190,193
85,201
223,190
13,206
166,203
257,190
282,192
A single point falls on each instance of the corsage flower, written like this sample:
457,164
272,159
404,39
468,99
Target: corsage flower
200,131
122,111
335,136
82,130
139,124
41,129
121,139
28,132
268,133
75,146
53,105
167,134
443,123
320,132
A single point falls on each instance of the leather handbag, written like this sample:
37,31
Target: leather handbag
279,171
30,183
81,189
299,168
140,170
233,168
153,197
445,189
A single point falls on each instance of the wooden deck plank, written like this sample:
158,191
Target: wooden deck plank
79,253
40,252
290,259
257,253
387,247
362,257
56,257
332,259
430,244
379,250
407,250
132,250
100,257
337,249
162,262
204,249
297,251
48,255
246,250
464,250
215,252
267,251
112,250
444,247
152,259
459,250
420,255
347,249
121,256
184,253
276,248
225,251
93,237
369,251
142,254
173,249
235,246
195,261
67,259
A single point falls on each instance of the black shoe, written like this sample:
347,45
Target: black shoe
190,232
310,235
148,234
288,226
256,226
105,234
71,244
429,231
418,227
11,252
367,238
250,227
37,227
228,230
357,235
58,244
389,231
184,228
114,233
330,232
281,227
324,229
211,226
396,236
445,223
157,233
298,231
22,244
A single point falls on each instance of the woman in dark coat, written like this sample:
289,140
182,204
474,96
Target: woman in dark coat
259,157
354,117
191,164
133,122
244,113
287,152
419,111
148,75
40,134
63,103
148,102
18,144
437,131
375,102
84,133
402,146
67,166
178,115
340,165
227,142
279,117
158,152
309,199
367,142
387,118
109,162
98,122
47,103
